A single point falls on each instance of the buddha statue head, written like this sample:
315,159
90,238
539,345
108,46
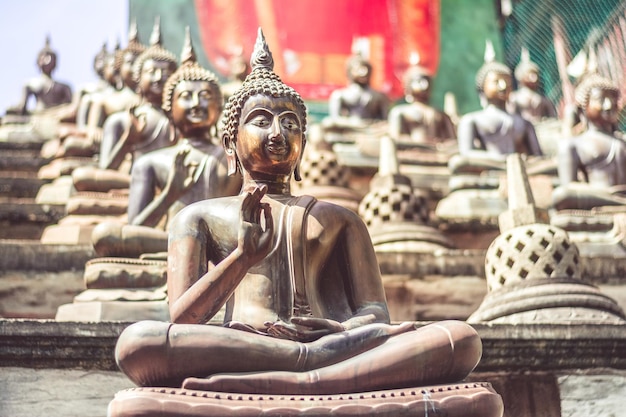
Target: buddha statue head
527,72
359,70
47,59
126,58
494,80
192,96
110,71
598,97
238,66
261,83
99,60
417,82
153,67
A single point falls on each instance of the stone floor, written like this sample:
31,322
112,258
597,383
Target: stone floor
28,392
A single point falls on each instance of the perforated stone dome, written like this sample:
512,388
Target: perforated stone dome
396,203
537,251
320,167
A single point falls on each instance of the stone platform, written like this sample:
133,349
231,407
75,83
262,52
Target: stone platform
67,369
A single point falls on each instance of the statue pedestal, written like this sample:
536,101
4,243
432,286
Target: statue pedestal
466,399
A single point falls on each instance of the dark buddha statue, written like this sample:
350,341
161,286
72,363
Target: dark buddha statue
238,69
527,100
487,136
592,165
46,91
305,309
358,101
417,122
165,180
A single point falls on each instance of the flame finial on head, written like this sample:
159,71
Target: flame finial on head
155,37
261,55
490,53
188,55
133,35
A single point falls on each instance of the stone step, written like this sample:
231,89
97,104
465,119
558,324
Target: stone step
21,161
23,218
20,184
29,255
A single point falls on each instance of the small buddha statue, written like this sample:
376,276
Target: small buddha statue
305,310
46,91
358,100
238,70
527,100
167,179
487,136
591,165
357,113
417,122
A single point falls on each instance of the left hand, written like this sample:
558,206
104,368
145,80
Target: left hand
303,329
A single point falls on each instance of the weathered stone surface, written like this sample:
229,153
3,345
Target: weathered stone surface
598,393
27,255
37,294
27,392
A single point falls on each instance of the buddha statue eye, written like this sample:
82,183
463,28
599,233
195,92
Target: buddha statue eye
205,95
290,123
260,120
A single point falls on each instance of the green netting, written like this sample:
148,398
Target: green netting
587,24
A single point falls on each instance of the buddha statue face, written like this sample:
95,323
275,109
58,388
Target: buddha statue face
47,62
530,78
497,86
109,71
602,105
126,68
417,87
270,137
154,73
195,106
359,71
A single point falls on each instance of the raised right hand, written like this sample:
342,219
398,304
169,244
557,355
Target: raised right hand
255,241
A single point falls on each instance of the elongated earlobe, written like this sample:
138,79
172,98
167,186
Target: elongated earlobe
231,156
296,172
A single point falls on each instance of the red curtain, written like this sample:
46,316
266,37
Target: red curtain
312,39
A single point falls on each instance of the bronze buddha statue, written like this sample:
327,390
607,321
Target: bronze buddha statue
305,309
46,91
592,165
526,100
417,122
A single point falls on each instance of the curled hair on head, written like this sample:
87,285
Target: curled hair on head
189,70
47,50
357,60
261,80
524,68
492,66
155,53
588,83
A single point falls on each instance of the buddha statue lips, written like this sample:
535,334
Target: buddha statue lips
277,146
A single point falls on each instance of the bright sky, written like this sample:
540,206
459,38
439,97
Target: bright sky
77,30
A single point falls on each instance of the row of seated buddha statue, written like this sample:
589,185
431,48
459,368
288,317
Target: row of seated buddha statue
581,172
131,263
